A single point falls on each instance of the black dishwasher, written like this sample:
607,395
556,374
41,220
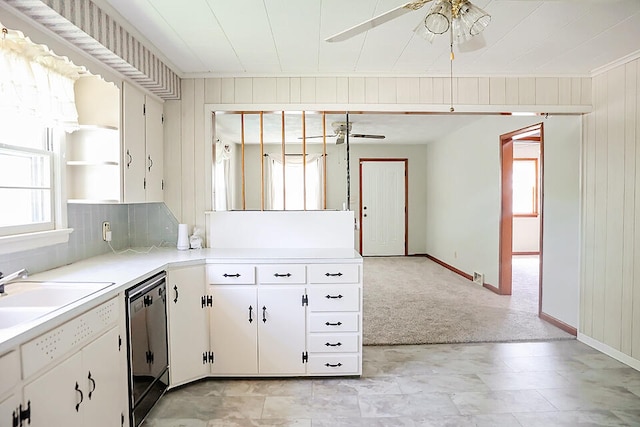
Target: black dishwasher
147,343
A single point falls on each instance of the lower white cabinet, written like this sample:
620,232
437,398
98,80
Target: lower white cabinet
188,322
273,319
9,410
81,390
257,330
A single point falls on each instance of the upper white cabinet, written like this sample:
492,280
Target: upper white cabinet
93,151
142,132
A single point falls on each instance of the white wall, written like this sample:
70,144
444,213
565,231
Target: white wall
610,291
526,230
463,204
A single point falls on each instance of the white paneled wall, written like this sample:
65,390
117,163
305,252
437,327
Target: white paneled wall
570,94
610,290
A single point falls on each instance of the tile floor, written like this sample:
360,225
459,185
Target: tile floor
555,383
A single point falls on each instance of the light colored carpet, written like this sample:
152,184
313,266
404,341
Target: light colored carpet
413,300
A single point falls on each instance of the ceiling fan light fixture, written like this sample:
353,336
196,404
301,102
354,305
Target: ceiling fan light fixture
473,19
438,19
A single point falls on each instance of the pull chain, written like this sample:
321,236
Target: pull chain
451,57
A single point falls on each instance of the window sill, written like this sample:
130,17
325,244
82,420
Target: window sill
25,242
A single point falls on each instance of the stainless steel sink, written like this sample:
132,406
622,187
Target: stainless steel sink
27,300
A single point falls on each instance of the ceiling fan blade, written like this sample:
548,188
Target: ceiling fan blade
363,135
378,20
317,136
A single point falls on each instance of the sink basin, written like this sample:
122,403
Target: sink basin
28,300
11,316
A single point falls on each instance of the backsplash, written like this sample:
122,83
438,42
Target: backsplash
139,225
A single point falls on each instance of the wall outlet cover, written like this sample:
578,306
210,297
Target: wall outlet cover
478,278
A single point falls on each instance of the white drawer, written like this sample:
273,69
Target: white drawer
10,368
342,364
282,273
334,298
334,322
231,274
334,273
334,343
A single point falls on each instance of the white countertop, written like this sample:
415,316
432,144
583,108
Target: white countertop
125,269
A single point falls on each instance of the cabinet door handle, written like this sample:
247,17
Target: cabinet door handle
333,296
81,397
175,288
333,274
333,324
250,314
150,162
93,385
129,159
264,314
338,344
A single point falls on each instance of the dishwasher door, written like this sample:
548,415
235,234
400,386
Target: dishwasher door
147,339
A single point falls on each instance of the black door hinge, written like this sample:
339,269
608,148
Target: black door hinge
162,119
149,355
22,415
122,419
144,109
305,357
305,300
144,183
162,184
15,418
206,301
207,357
119,342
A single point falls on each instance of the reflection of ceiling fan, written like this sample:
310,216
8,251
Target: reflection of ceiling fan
463,18
341,129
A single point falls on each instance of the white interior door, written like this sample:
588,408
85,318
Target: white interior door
383,207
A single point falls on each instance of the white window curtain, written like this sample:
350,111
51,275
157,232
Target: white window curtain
222,179
36,84
291,181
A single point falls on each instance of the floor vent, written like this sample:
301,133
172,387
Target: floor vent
478,278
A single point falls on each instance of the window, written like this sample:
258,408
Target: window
37,105
26,167
297,185
525,187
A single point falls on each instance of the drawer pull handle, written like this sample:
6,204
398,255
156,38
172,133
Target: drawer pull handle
175,300
333,296
282,275
250,314
338,344
333,274
333,324
329,365
264,314
231,275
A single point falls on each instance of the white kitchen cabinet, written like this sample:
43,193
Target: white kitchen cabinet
335,319
188,324
142,124
83,389
257,329
9,408
93,150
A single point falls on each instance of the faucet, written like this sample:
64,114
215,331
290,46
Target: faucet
5,280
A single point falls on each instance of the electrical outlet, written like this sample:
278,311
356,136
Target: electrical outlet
106,231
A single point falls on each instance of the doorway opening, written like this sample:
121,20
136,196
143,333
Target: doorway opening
383,207
522,213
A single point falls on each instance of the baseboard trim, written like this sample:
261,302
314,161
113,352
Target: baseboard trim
610,351
526,253
559,324
450,267
492,288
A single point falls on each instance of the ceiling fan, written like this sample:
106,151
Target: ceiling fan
463,18
341,129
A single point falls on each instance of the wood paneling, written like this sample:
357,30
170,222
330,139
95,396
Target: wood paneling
610,285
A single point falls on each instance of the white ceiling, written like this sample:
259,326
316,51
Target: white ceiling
210,38
279,37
